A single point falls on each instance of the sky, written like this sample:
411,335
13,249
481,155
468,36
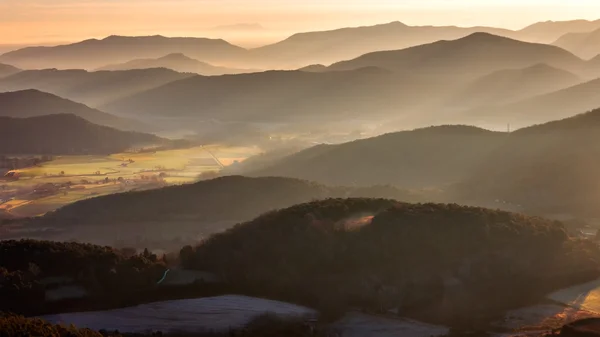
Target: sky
58,21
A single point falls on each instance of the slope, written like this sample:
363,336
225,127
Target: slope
280,96
6,70
65,134
540,109
467,58
430,157
177,62
225,199
31,103
548,168
550,31
585,45
90,88
512,85
326,47
93,53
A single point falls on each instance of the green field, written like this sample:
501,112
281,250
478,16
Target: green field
124,171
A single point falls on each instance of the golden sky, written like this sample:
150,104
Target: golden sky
52,21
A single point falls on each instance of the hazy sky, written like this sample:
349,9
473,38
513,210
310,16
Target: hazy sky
39,21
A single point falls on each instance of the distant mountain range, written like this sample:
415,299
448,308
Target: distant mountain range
178,62
416,85
475,55
90,88
91,54
6,70
33,103
586,45
299,50
66,134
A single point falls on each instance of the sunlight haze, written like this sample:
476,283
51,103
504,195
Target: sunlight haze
55,21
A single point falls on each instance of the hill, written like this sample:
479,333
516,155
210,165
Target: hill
32,103
90,88
326,47
178,62
195,210
444,262
539,109
550,31
280,96
547,168
430,157
65,134
473,56
512,85
6,70
93,53
585,45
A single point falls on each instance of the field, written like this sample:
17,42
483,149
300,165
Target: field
79,177
217,314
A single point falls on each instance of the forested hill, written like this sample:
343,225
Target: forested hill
231,198
66,134
439,260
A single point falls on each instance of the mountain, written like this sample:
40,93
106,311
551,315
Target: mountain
505,86
280,96
550,31
585,45
469,57
90,88
177,62
6,70
436,262
65,134
539,109
32,103
430,157
326,47
93,53
547,168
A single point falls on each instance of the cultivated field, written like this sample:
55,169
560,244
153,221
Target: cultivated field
67,179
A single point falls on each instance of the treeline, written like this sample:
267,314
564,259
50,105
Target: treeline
14,163
231,198
262,326
443,261
28,268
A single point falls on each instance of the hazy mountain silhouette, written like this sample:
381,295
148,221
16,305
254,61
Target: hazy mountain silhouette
6,70
314,68
280,95
326,47
427,157
469,57
539,109
177,62
585,45
32,103
91,88
512,85
65,134
550,31
93,53
550,168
